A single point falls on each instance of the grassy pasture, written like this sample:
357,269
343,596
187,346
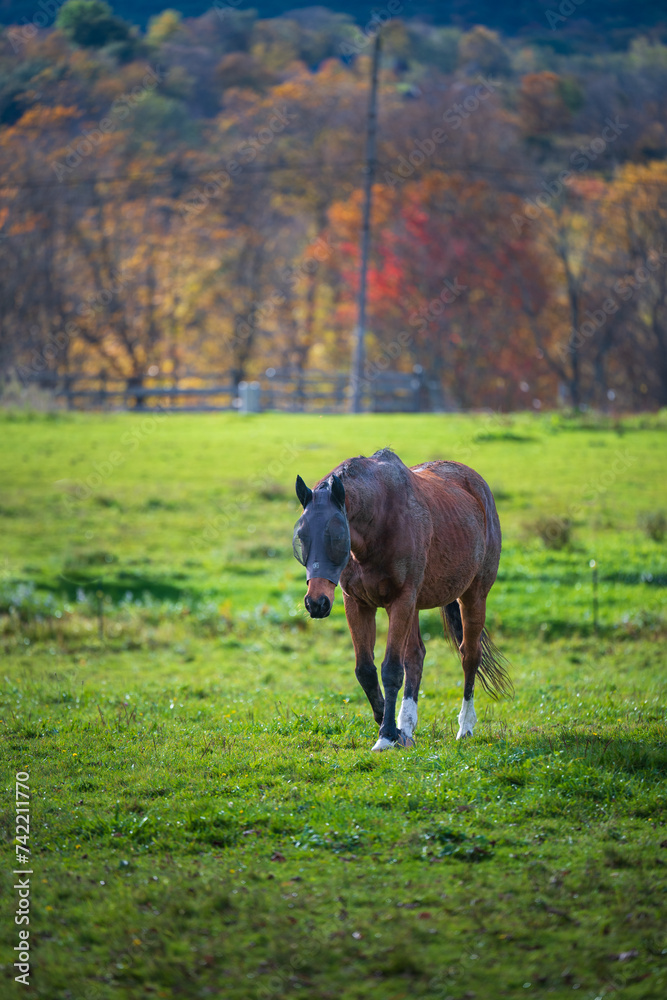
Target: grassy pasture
207,818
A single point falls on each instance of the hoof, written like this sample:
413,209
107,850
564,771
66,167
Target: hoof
401,741
467,718
383,744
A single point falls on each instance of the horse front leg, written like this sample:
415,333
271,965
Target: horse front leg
415,651
401,615
361,623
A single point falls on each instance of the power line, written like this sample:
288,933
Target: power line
467,170
200,175
174,174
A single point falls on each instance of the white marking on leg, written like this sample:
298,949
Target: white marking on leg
467,718
407,717
383,744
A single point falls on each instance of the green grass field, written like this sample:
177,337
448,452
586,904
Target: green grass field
207,819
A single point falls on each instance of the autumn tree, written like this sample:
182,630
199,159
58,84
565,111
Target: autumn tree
483,51
638,216
542,107
443,290
91,23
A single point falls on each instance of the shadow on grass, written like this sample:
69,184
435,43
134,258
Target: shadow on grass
615,753
70,584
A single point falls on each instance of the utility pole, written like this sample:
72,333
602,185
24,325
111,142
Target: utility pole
369,170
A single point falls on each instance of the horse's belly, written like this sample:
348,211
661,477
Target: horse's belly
446,576
439,593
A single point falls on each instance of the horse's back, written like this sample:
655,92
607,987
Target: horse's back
458,490
469,480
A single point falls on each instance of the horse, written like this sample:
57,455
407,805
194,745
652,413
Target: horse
404,539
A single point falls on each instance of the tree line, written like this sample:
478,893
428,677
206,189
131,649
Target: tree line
188,198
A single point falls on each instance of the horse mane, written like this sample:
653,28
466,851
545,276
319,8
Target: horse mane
386,455
358,467
363,474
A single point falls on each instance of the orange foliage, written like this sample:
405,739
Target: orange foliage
541,106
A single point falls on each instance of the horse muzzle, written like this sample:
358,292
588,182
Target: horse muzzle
319,597
318,607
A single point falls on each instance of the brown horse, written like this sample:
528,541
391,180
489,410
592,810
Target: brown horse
404,539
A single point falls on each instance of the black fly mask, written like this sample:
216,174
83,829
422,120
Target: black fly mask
321,535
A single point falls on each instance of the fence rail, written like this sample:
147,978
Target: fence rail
286,390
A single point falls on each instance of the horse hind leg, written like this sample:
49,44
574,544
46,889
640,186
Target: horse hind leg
473,615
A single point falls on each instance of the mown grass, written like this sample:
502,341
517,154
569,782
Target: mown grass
207,817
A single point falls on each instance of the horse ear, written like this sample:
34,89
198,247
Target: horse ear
304,494
338,491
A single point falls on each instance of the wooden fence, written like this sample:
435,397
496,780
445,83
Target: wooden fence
289,391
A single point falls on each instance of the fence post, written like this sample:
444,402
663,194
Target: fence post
249,395
270,403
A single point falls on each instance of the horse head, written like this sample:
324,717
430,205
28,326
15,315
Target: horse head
322,541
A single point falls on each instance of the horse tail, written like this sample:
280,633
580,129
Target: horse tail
492,671
451,619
